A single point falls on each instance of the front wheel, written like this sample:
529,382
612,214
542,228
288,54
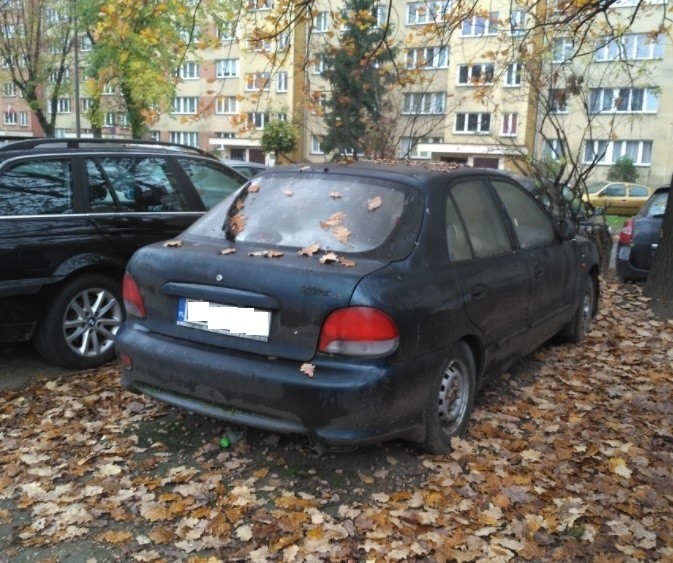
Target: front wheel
580,325
451,400
79,327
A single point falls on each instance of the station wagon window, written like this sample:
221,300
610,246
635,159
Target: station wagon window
212,183
38,187
485,226
140,184
456,237
531,225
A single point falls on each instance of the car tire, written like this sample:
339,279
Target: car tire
451,400
580,325
78,328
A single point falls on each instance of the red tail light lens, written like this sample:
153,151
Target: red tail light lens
627,232
358,331
133,301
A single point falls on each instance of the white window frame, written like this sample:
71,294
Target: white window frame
10,117
319,66
226,105
606,100
281,81
23,119
630,47
258,82
85,104
63,105
414,153
517,23
315,145
480,26
640,151
428,58
185,105
553,148
258,119
424,103
226,31
562,50
557,101
9,90
259,5
85,44
513,75
189,138
226,68
485,70
189,70
510,124
110,119
321,22
482,121
431,11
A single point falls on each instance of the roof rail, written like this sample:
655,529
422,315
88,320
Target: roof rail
76,143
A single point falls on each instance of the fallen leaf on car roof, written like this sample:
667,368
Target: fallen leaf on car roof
173,243
226,251
334,220
374,203
253,188
346,262
335,195
341,233
328,258
309,250
237,224
267,253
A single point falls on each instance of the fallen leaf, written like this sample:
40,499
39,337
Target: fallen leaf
237,224
227,251
334,220
374,203
173,243
335,195
328,258
307,369
341,233
288,193
346,262
309,250
253,188
267,253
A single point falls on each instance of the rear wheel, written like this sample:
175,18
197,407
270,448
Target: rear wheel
451,400
79,327
580,325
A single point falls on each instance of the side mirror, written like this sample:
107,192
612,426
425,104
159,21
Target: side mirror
567,229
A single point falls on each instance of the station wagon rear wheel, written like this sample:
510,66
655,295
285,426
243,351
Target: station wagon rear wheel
451,400
79,327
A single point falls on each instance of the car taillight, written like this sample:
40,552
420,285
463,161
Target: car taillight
358,331
627,232
133,301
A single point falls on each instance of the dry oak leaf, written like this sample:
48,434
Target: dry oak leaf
618,465
253,188
341,233
115,536
309,250
374,203
335,219
335,195
236,224
307,369
173,243
267,253
288,193
346,262
329,258
226,251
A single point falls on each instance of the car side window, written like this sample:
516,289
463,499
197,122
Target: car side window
456,237
638,191
532,225
38,187
616,190
102,198
485,226
211,182
140,184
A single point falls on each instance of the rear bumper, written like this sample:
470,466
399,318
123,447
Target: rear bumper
345,403
625,269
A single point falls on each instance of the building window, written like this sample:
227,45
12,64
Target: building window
409,147
9,90
283,41
478,26
65,76
517,22
55,16
185,105
609,152
513,75
319,66
110,119
316,148
257,81
85,43
472,75
255,5
281,82
259,45
155,136
226,68
189,70
553,149
630,47
321,22
623,100
189,138
557,101
257,119
10,117
23,118
426,103
428,58
85,104
562,50
426,12
226,105
509,123
109,89
473,123
63,105
227,31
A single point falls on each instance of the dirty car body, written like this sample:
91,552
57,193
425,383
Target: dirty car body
353,304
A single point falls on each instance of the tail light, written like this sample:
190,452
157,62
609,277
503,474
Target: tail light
358,331
133,301
627,232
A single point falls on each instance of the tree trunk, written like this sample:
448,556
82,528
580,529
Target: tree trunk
660,280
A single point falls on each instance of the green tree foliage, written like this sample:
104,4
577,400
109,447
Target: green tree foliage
359,72
623,170
279,137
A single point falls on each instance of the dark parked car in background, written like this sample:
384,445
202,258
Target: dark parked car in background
354,303
638,238
72,212
248,169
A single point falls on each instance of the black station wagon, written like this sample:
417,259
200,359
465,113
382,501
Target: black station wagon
72,212
353,303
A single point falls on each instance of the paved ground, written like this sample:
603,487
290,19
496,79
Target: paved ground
20,364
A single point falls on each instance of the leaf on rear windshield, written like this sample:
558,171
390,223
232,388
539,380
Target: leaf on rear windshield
307,369
335,195
267,253
226,251
236,224
334,220
309,250
253,188
341,233
329,258
346,262
173,243
374,203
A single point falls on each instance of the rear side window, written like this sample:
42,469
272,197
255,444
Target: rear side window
657,205
38,187
485,226
335,212
140,184
638,191
211,182
531,225
618,190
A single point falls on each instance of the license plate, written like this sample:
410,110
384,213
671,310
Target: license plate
624,253
243,322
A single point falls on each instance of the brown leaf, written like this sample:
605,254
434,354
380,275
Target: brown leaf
309,250
288,193
334,220
253,188
335,195
374,203
115,536
227,251
307,369
267,253
237,224
341,233
346,262
162,535
173,243
328,258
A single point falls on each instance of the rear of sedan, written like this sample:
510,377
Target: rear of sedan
638,238
258,315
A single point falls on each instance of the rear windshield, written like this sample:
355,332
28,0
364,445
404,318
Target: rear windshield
337,213
657,205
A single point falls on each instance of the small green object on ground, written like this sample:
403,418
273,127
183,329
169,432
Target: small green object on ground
225,442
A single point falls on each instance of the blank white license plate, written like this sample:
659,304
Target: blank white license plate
244,322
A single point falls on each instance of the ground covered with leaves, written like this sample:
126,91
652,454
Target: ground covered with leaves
568,457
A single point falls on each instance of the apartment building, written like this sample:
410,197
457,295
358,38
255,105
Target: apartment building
471,101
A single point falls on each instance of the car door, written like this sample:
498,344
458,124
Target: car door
494,278
613,199
551,262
